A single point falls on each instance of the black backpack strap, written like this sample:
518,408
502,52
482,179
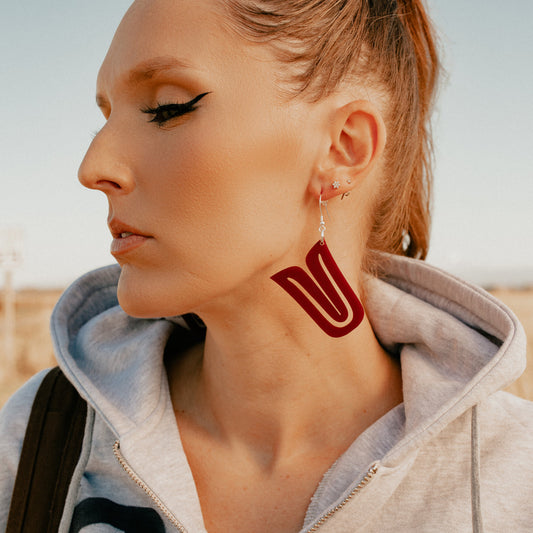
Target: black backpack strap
50,453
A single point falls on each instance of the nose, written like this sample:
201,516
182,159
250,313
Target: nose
105,167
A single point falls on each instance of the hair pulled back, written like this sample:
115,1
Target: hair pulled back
389,45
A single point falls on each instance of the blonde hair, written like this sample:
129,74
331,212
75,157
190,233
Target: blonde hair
329,42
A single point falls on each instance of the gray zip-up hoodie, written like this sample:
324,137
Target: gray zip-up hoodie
455,456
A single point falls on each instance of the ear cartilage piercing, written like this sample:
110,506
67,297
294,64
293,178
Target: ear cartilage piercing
336,184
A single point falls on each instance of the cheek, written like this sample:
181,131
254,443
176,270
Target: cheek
238,182
226,203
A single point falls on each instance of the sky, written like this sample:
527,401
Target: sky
483,215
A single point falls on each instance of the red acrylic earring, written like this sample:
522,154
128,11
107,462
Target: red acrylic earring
336,313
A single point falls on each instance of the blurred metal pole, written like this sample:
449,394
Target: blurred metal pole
9,359
10,258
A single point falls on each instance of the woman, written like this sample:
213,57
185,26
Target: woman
255,156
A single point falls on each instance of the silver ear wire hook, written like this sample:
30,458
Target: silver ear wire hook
322,226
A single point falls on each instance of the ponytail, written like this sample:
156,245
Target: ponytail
402,215
427,66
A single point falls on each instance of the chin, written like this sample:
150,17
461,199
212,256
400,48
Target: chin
143,293
136,304
141,299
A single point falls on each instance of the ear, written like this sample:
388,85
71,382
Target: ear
357,137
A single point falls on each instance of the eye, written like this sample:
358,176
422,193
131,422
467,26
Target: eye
164,112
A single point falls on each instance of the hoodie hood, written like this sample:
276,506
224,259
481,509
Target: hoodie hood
457,345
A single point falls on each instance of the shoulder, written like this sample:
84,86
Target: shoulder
507,415
13,421
505,429
506,470
16,412
506,426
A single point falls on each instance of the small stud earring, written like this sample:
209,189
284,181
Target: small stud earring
348,181
336,184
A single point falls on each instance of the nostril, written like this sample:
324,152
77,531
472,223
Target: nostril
104,176
104,184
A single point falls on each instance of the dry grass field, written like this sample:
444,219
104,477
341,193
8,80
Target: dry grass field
34,348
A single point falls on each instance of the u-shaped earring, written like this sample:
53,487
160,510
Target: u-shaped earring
326,297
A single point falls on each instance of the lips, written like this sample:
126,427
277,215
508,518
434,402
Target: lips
126,238
120,229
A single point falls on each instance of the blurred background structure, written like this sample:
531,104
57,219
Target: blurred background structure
10,259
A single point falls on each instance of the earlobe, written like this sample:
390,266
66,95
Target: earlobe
357,140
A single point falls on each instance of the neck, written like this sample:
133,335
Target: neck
273,389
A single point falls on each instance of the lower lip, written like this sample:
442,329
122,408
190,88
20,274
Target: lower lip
124,245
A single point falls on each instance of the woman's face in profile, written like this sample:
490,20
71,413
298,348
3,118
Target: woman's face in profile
200,154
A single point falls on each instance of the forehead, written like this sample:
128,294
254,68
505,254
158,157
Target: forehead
193,34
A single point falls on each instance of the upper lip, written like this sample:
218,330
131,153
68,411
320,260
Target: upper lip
117,228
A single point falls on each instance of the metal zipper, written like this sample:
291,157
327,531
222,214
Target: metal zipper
362,484
164,509
127,468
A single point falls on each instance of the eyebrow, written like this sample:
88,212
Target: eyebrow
155,66
147,70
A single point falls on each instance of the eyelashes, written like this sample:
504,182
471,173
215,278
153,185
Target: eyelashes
164,112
